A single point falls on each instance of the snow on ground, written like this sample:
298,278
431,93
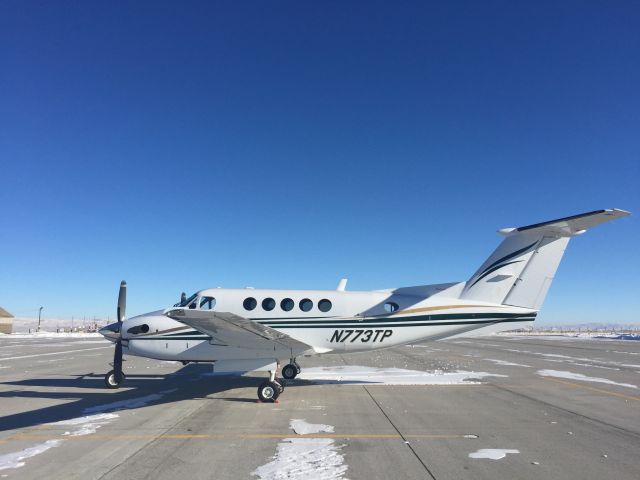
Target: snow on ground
94,418
87,424
573,335
492,453
353,374
16,459
305,458
301,427
579,361
580,377
506,364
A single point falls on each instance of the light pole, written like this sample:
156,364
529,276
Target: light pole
39,317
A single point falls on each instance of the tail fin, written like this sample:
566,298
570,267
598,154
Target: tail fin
520,271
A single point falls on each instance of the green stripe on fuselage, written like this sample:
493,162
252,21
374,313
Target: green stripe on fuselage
415,318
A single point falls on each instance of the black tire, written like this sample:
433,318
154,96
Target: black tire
110,380
268,391
290,371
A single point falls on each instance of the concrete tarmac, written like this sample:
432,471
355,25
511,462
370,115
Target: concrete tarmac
571,408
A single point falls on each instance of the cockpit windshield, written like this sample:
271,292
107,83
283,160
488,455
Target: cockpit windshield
187,301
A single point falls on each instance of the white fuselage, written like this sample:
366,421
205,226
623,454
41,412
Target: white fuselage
336,322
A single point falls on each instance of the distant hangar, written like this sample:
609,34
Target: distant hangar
6,321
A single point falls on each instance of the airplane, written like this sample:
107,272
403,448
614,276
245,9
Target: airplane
241,330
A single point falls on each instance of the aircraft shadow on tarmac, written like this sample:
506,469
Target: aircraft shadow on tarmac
89,393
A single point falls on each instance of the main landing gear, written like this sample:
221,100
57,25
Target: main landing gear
291,370
270,390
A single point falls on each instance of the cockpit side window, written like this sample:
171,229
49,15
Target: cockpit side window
187,301
207,303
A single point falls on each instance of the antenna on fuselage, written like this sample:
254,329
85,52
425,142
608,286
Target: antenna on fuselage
342,285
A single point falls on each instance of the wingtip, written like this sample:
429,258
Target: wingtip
619,212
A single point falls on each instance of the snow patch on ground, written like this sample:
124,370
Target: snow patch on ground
301,427
353,374
492,453
305,458
574,336
580,377
506,364
88,424
94,418
128,403
579,361
16,459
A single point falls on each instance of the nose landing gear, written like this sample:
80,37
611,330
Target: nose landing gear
112,380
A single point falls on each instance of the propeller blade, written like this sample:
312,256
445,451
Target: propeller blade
122,302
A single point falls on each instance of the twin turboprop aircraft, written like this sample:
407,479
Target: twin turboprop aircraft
258,329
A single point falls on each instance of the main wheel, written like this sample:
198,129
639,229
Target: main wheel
111,381
290,371
268,391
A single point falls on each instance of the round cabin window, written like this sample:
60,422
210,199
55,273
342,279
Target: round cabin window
249,303
268,304
306,304
287,304
324,305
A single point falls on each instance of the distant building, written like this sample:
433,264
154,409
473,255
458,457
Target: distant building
6,321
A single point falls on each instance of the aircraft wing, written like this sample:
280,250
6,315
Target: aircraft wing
236,331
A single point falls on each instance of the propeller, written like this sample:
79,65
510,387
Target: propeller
117,354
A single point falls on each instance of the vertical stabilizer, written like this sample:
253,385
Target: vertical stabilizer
520,271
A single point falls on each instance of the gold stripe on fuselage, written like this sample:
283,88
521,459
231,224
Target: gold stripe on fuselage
442,307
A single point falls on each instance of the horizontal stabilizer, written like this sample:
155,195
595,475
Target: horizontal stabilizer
569,226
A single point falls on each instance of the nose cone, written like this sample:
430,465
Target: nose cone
111,332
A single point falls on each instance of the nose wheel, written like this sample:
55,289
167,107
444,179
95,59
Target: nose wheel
111,380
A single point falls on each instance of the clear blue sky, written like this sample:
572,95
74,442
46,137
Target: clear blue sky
184,145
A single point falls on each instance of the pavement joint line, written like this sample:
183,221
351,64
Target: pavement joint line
599,390
400,435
